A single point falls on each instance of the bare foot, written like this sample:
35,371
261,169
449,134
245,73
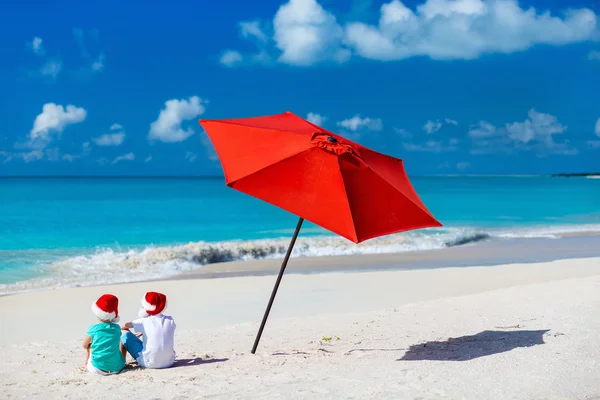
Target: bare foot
83,367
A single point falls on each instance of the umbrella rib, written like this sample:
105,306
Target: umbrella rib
268,166
394,186
348,201
257,127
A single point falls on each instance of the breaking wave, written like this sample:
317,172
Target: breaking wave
113,266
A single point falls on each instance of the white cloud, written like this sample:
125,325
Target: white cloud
124,157
454,141
432,127
53,120
148,159
597,128
462,165
190,156
36,45
34,155
305,33
51,68
70,157
355,123
231,58
465,29
430,146
208,147
482,130
538,126
110,139
536,133
594,55
251,29
6,156
115,138
167,128
594,144
315,118
98,64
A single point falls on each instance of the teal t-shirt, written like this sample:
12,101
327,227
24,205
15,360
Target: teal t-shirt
106,352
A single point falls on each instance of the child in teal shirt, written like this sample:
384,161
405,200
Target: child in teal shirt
103,339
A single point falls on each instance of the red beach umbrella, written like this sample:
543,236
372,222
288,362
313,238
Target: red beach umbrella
319,176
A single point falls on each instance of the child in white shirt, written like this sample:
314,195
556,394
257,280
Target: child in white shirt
156,348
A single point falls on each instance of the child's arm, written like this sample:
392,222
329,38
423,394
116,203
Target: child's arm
87,343
126,326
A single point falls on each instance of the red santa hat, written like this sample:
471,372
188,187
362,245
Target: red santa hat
106,308
153,303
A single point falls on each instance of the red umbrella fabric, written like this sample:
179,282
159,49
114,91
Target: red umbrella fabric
319,176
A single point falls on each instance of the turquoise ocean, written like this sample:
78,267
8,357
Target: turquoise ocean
64,232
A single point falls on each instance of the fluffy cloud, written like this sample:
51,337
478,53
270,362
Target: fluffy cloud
482,130
251,29
355,123
51,68
96,63
431,146
597,128
434,126
167,128
115,138
52,121
36,45
124,157
231,58
34,155
148,159
315,118
594,55
304,33
535,133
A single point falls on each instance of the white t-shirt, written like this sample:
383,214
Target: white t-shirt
158,338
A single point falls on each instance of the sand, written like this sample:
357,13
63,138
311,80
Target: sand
519,331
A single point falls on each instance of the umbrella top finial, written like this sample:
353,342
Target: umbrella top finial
331,139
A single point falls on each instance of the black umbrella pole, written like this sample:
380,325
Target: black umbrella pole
274,293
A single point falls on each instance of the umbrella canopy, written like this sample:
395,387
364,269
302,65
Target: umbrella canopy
319,176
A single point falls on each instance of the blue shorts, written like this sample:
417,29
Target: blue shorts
133,344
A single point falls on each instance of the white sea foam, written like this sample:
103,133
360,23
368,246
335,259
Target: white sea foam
113,266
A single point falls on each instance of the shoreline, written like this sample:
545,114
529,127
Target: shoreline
485,253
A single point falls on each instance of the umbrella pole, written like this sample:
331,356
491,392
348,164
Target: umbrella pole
281,271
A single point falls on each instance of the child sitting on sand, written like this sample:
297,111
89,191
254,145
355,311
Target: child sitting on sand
103,339
156,349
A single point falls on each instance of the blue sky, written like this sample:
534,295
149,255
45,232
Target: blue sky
450,86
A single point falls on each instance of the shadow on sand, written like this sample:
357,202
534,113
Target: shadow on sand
466,348
188,362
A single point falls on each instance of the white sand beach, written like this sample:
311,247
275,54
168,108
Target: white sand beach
518,331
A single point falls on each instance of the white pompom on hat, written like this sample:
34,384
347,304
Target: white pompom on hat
153,303
106,308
